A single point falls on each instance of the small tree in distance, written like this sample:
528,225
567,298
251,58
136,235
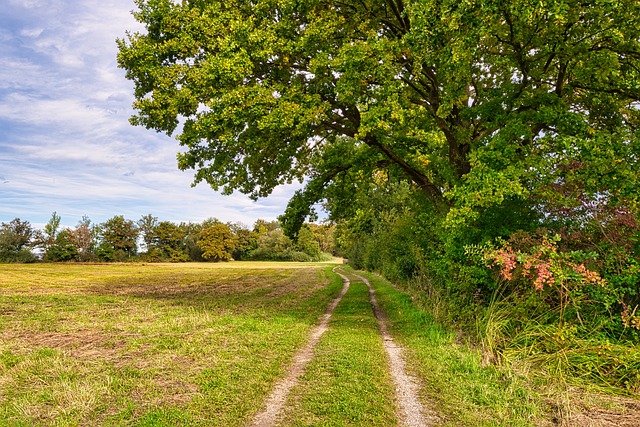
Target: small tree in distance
16,241
306,242
119,239
48,238
217,242
147,227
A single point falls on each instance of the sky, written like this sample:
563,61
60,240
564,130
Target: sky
66,144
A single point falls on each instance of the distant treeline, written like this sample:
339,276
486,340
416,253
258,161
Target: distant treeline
148,239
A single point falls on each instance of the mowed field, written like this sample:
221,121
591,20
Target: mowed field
149,345
203,344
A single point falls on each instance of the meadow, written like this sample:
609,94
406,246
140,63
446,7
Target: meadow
161,344
202,344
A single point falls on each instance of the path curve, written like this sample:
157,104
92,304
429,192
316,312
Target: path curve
276,400
412,413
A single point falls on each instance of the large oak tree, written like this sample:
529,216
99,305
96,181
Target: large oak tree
473,102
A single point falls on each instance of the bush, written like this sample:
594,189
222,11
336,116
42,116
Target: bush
22,256
266,254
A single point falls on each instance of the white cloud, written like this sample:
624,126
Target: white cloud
31,32
42,112
29,4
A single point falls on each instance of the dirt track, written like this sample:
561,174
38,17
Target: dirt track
410,411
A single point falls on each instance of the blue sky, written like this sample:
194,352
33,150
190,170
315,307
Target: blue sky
65,141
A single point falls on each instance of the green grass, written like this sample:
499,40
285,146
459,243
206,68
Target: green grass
347,383
204,345
562,351
150,345
456,383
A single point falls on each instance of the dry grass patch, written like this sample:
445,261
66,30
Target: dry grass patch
79,344
595,410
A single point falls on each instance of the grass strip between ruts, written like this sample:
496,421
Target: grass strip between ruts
347,383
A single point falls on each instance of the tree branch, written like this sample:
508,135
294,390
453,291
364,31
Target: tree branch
421,180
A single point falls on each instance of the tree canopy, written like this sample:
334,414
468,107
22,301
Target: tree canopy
217,242
16,239
471,102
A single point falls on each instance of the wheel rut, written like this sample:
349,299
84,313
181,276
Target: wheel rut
411,412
